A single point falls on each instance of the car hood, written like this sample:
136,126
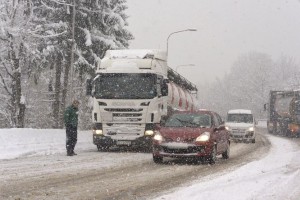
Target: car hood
185,134
238,125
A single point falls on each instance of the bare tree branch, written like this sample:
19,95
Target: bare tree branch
6,69
4,85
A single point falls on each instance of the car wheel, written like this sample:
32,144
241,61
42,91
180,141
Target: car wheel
213,156
158,159
253,140
226,154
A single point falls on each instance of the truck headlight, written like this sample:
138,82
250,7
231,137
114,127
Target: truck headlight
203,137
98,132
158,137
251,129
149,132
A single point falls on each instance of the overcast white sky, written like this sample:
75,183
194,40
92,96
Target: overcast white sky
226,29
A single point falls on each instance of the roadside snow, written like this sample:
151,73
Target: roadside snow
275,177
30,142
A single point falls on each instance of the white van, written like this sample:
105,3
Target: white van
241,125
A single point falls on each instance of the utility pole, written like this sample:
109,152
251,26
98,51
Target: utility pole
72,53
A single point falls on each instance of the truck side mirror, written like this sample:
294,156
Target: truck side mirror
164,87
89,87
265,107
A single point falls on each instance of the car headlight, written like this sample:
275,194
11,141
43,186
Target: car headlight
203,137
227,128
251,129
158,137
98,132
149,132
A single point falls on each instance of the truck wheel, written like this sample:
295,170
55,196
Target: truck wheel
226,154
289,133
213,156
102,148
158,159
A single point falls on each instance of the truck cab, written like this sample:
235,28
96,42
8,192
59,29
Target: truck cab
132,91
241,125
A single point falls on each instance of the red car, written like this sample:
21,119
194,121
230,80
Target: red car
198,134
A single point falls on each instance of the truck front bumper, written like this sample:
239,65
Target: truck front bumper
106,141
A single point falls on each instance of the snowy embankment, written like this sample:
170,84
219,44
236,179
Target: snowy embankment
30,142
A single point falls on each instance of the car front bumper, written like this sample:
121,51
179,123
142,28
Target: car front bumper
190,151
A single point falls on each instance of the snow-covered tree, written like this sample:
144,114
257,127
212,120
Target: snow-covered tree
98,26
18,52
249,82
36,42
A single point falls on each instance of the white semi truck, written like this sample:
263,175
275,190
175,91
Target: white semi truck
134,90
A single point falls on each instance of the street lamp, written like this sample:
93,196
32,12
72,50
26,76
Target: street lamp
188,65
175,33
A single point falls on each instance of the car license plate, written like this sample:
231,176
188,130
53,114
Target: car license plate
124,143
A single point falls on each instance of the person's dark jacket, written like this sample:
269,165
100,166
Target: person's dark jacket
71,116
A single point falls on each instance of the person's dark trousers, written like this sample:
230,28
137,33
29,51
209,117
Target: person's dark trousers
71,133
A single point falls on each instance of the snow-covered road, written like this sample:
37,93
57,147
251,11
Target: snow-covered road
38,157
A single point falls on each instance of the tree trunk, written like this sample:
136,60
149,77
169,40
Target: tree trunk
56,104
64,93
18,110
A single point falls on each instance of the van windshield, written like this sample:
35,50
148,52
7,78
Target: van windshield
240,118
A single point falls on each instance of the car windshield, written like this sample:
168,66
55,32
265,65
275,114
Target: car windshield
125,86
189,120
240,118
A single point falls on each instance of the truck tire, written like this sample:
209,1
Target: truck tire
158,159
102,148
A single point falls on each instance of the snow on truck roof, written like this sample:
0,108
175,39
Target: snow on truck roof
240,111
137,53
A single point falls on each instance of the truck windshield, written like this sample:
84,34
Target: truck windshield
240,118
125,86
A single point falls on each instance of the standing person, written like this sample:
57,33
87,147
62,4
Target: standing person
71,122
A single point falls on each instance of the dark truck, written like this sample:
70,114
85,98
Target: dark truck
284,113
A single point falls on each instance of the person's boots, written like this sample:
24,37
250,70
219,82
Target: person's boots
69,153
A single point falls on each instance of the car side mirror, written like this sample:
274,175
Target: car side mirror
157,126
220,128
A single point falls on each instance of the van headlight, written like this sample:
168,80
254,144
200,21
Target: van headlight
98,132
203,137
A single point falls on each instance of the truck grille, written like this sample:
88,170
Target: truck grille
125,115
